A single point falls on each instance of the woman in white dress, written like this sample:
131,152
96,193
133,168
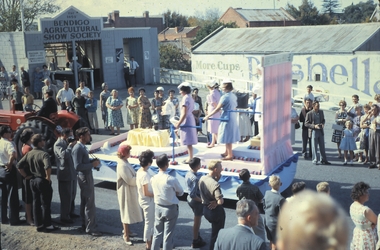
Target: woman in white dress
365,220
145,192
130,211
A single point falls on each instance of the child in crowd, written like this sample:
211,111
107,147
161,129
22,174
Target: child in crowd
323,187
17,96
91,106
252,192
27,100
272,204
194,200
348,142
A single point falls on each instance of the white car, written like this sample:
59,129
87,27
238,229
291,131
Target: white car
323,104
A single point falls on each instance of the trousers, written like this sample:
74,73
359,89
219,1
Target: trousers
87,201
216,217
164,224
42,195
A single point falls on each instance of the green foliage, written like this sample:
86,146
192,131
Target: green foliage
174,19
330,6
171,57
358,13
208,28
308,14
10,13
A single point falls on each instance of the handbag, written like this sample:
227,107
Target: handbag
155,118
337,127
297,125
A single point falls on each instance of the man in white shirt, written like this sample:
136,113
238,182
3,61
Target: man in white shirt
308,94
8,177
83,89
133,67
65,96
166,188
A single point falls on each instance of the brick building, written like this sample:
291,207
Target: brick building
170,34
245,18
114,20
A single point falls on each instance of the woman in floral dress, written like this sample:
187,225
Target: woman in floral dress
133,109
145,117
365,220
340,119
115,117
103,99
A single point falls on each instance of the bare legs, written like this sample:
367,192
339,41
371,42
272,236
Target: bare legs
228,156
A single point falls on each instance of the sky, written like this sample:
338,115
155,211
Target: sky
185,7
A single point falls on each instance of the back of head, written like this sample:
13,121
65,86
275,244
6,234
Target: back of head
244,174
146,158
298,187
244,207
213,164
26,135
312,221
194,163
162,161
37,138
275,181
323,187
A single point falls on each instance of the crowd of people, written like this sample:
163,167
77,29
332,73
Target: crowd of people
354,131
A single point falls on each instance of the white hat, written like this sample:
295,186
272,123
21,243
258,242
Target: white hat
160,88
187,84
212,84
226,80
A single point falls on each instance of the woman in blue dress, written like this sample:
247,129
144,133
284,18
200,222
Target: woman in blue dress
115,117
228,129
188,133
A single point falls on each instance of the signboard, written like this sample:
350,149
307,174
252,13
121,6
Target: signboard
36,56
72,24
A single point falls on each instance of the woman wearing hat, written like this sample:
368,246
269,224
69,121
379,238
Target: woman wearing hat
188,133
212,101
103,98
130,211
227,132
145,117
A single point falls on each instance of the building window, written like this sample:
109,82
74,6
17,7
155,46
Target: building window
318,77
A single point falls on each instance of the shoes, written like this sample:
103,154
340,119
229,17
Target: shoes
345,163
378,166
185,162
74,216
129,243
360,161
209,146
315,162
372,166
51,228
95,233
112,133
67,221
16,223
325,163
198,243
223,155
227,159
351,163
130,234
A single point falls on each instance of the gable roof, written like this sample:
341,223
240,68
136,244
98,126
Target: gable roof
344,38
265,15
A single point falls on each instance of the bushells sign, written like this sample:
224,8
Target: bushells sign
71,24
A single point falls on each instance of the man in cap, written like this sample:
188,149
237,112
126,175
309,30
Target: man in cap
166,188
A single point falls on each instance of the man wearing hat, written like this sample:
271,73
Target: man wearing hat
166,188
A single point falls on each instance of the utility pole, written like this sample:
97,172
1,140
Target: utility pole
22,16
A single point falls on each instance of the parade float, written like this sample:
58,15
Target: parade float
271,154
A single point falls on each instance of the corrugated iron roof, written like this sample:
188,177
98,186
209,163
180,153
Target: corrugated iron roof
344,38
265,15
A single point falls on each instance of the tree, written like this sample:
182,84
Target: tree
208,28
201,18
358,13
171,57
330,6
10,13
308,14
173,19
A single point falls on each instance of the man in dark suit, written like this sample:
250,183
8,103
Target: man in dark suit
315,121
49,106
84,167
66,174
242,236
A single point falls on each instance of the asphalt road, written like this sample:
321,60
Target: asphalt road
341,179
